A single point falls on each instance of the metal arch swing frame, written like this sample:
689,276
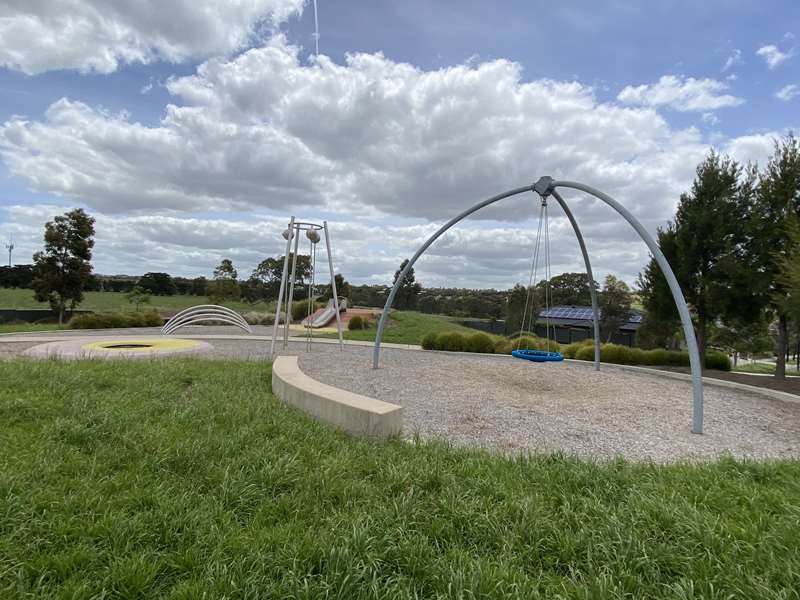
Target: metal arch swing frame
546,186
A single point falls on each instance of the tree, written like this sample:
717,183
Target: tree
343,290
615,306
63,267
705,248
408,292
225,270
788,275
270,270
739,338
198,286
515,309
158,284
18,276
138,295
225,286
570,288
777,204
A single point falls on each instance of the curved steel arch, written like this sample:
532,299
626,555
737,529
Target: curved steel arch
202,313
546,186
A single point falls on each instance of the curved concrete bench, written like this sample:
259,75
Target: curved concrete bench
353,413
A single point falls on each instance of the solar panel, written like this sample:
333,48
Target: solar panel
580,313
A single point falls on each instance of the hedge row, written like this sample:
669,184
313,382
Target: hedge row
116,320
454,341
583,350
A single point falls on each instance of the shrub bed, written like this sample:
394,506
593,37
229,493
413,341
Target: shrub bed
623,355
583,350
113,320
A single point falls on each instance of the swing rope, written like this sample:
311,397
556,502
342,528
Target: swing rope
312,252
543,230
532,276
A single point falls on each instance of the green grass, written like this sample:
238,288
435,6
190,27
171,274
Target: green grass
409,327
186,479
767,369
116,301
25,327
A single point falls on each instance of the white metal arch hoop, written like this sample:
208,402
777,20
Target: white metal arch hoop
204,313
546,186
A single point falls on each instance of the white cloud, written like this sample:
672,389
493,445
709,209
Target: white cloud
98,35
383,149
773,56
734,59
681,94
788,92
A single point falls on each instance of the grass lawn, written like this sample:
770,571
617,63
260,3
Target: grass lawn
767,369
116,301
186,479
409,327
25,327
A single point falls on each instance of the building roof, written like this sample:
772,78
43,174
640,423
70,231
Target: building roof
581,316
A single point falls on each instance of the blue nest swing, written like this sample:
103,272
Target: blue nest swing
538,355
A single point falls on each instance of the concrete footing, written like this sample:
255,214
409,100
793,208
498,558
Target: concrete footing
353,413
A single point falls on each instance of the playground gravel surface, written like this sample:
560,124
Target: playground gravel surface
515,406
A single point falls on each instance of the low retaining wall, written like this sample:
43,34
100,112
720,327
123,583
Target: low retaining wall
353,413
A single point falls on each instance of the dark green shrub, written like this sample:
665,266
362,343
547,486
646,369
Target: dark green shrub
718,360
451,341
356,323
116,320
429,341
300,310
657,357
479,342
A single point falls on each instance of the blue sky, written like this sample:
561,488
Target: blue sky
633,94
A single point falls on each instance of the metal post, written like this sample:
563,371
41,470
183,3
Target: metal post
592,290
333,285
390,299
675,288
290,297
283,284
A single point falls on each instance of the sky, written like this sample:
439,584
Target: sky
192,131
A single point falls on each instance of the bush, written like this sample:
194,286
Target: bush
507,345
658,356
300,309
451,341
718,360
116,320
479,342
429,341
357,322
622,355
259,318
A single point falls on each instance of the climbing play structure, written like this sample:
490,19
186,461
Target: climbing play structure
293,232
205,313
545,188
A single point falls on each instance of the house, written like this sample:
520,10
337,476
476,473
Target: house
574,323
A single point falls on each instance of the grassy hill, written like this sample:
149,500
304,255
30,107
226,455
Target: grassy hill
409,327
116,301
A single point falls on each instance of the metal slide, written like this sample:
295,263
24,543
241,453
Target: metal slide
325,316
